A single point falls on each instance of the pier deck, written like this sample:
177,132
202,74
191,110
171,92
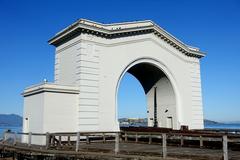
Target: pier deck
127,144
127,151
155,150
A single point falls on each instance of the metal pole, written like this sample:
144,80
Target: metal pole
116,143
225,147
155,122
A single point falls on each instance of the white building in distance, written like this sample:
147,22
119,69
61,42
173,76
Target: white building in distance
90,61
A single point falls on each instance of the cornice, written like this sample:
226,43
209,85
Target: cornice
118,30
48,87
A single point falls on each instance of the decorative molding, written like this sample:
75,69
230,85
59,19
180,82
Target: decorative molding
46,87
112,31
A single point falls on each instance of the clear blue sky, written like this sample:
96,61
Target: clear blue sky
214,26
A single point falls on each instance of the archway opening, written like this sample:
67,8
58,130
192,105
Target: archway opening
156,103
132,103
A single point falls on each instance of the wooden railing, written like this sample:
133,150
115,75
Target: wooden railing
201,137
60,140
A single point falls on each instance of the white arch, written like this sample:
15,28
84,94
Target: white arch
160,65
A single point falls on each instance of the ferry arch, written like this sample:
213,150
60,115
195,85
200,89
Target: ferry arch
90,61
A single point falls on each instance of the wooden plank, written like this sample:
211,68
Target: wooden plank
33,134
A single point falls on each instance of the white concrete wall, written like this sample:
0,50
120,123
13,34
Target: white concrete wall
85,74
33,111
65,66
93,66
197,109
50,108
117,57
102,61
88,82
60,112
166,100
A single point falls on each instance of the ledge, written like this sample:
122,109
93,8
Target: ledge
50,87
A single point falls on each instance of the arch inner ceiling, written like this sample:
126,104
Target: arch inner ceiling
147,74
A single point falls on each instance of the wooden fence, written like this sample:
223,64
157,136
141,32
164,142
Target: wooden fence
58,140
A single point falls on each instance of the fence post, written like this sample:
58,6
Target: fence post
125,136
77,141
69,140
116,143
104,138
15,138
53,139
201,141
29,139
4,136
225,147
182,140
87,140
164,145
60,141
136,138
47,140
150,139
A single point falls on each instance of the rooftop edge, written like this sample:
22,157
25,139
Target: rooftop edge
109,30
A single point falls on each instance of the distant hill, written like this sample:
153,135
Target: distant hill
10,120
209,122
206,121
16,120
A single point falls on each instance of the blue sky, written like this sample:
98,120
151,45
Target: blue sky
214,26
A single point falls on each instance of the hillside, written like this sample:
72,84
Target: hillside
209,122
10,120
16,120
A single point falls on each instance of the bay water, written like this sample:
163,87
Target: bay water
12,128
